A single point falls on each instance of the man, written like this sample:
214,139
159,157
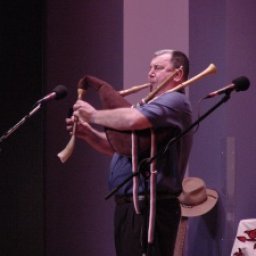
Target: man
167,110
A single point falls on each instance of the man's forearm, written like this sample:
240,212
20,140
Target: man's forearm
120,119
98,141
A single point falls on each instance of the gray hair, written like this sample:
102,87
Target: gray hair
178,59
164,51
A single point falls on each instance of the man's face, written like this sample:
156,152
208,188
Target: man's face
160,69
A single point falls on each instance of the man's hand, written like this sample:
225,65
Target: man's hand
83,111
83,129
86,132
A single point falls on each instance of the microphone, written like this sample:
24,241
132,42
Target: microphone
241,83
59,92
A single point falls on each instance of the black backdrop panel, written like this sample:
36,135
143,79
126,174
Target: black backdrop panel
21,157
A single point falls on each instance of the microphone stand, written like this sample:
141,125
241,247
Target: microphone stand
21,122
175,139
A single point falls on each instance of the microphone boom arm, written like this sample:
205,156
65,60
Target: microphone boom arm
59,92
20,123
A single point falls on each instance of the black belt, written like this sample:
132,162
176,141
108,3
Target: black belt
129,199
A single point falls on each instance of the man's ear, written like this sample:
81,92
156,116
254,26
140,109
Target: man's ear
179,76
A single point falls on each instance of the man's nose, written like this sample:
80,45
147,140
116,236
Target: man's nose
151,72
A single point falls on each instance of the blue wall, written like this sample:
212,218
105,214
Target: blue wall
223,32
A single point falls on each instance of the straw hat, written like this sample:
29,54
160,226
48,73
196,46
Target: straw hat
195,198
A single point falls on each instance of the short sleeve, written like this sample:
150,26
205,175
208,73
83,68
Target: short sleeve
169,110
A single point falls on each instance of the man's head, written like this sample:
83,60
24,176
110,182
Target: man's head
164,63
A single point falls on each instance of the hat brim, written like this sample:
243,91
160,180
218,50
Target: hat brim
206,206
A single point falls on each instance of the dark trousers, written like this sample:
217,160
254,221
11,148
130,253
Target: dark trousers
131,229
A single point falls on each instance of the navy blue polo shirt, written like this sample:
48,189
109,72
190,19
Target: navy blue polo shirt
171,110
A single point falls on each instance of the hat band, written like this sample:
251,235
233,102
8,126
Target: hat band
196,204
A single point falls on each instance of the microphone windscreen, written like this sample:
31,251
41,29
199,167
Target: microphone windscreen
61,92
241,83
